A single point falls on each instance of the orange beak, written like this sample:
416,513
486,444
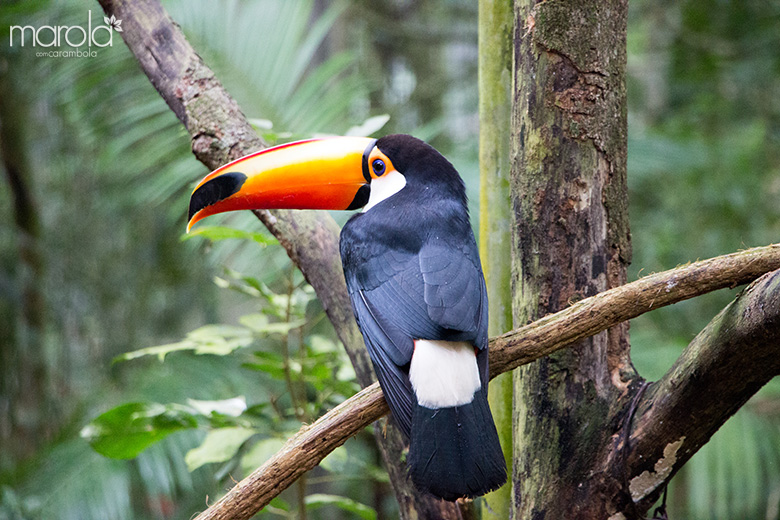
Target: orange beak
329,173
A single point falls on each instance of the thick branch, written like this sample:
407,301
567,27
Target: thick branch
599,312
585,318
727,362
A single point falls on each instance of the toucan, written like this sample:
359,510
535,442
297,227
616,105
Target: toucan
414,279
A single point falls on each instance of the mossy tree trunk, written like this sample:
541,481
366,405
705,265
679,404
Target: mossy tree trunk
570,241
496,20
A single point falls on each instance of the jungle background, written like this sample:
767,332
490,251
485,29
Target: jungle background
94,265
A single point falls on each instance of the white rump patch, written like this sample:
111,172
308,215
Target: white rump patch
444,373
384,187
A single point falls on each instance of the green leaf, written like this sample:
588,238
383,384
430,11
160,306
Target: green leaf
125,431
369,126
249,290
218,340
320,373
232,407
218,446
160,351
259,323
269,362
217,233
212,333
318,500
270,357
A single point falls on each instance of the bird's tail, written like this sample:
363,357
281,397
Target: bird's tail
454,452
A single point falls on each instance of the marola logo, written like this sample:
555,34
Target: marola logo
72,35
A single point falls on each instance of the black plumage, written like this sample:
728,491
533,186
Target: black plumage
455,451
412,269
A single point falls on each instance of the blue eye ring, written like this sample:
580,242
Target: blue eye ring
378,165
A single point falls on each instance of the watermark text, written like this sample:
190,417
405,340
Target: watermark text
53,37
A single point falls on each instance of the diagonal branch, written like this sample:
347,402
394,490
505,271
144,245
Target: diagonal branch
606,309
588,317
219,133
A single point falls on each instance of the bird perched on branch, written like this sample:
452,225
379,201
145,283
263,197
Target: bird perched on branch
414,278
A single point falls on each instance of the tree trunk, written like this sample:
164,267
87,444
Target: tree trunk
496,20
570,241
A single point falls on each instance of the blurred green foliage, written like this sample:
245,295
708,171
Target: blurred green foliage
300,372
704,180
110,171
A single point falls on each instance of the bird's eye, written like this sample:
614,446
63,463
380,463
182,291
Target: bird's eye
379,167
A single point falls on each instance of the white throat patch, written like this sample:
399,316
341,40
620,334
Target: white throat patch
444,373
384,187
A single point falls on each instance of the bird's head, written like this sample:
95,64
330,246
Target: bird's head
342,173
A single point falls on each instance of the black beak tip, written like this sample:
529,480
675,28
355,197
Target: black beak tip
217,189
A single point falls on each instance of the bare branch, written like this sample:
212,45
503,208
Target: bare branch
523,345
602,311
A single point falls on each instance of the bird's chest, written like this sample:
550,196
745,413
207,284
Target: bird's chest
366,236
374,251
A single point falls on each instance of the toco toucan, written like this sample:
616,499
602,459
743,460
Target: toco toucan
414,278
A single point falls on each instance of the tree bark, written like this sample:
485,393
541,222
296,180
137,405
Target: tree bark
571,240
220,133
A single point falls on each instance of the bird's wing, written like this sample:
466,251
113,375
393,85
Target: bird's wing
456,296
454,291
437,293
386,290
389,352
400,296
